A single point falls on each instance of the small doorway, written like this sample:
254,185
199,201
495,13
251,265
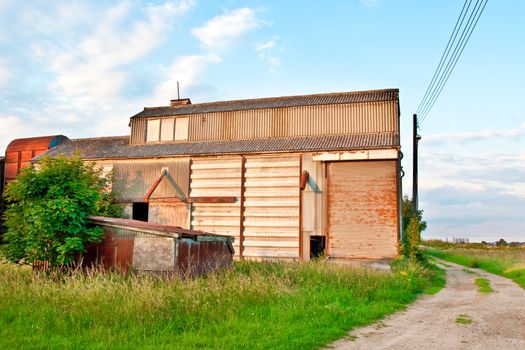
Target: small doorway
140,211
317,246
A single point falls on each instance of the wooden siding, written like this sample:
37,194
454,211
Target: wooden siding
217,176
336,119
173,214
133,178
271,216
362,209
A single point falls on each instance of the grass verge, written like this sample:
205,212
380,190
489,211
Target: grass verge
483,285
506,262
254,305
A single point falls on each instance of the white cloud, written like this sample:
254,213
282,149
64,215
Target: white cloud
185,69
265,46
463,137
221,31
91,71
216,37
470,195
13,125
265,50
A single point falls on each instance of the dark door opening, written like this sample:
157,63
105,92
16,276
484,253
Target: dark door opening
140,211
317,246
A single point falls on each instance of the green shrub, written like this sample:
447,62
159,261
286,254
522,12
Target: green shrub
46,215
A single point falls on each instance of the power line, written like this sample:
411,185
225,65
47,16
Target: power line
445,53
448,62
465,36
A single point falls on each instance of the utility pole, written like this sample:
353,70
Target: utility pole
415,142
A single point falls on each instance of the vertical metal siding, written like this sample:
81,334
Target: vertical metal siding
138,131
216,176
271,223
372,117
133,178
369,117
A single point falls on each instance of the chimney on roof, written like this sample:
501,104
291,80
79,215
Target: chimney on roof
180,102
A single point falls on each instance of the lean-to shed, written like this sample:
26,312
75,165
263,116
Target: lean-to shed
289,177
147,247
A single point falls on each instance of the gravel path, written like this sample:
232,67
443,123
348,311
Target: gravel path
497,319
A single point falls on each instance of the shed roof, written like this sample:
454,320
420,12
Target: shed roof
272,102
118,147
173,231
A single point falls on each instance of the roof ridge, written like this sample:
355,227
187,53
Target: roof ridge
101,138
259,99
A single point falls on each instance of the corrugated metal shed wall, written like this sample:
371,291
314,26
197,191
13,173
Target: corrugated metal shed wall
216,176
133,178
271,216
370,117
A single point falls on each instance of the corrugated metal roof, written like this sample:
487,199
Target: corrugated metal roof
150,226
119,148
273,102
35,143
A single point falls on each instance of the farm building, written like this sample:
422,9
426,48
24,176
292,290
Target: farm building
18,155
288,177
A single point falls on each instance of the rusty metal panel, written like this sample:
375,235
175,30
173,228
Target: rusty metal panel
11,171
216,176
2,166
35,143
362,209
133,178
12,157
197,257
271,223
19,152
113,253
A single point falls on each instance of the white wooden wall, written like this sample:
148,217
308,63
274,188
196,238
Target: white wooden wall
271,202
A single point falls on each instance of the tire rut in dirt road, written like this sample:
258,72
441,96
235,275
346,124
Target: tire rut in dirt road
458,317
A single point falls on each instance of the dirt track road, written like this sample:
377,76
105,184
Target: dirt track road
498,318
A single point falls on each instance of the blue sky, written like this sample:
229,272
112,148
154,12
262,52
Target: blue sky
82,68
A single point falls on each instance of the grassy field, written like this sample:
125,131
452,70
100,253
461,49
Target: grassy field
504,261
253,305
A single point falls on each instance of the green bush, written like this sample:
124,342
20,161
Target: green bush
413,225
46,215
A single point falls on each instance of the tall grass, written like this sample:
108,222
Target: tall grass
504,261
254,305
